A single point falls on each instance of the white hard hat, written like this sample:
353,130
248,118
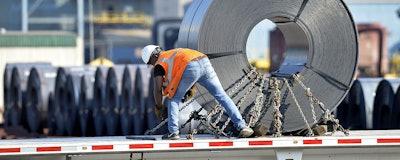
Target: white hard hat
147,51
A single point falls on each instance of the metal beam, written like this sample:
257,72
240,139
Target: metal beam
80,21
24,16
91,30
51,20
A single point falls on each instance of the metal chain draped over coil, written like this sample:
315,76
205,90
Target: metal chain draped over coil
211,121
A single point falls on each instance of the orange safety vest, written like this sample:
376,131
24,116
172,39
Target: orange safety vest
174,63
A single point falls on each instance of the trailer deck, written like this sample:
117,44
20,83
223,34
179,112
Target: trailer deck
371,144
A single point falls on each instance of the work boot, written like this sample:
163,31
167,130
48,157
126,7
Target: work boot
170,136
246,132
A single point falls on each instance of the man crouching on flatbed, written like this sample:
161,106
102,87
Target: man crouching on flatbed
175,73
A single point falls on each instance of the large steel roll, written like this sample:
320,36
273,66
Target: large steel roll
394,122
357,112
321,47
99,100
352,112
15,84
66,94
151,118
50,117
6,93
14,115
396,110
57,112
369,86
113,92
40,84
71,110
127,102
342,111
85,109
72,125
140,92
12,111
383,104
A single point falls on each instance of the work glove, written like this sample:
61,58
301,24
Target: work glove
158,111
189,94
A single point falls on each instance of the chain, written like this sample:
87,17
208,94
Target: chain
221,112
252,85
214,110
191,134
336,125
225,124
256,109
310,132
193,116
148,132
218,107
241,82
327,114
213,125
276,103
310,97
205,123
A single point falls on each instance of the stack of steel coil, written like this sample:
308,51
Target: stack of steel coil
372,103
78,100
15,89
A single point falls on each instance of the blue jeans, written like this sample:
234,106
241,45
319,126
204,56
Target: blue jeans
202,72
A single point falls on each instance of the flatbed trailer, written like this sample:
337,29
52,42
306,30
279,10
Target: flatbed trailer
367,145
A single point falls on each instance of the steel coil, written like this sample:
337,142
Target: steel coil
369,86
15,84
352,112
71,104
151,118
395,83
357,111
383,104
321,47
72,93
66,94
140,92
15,113
396,110
41,83
50,117
6,93
85,109
127,102
342,111
113,92
99,100
57,111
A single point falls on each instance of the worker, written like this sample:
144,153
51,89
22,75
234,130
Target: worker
175,73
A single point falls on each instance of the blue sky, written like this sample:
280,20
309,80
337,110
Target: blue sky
257,43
